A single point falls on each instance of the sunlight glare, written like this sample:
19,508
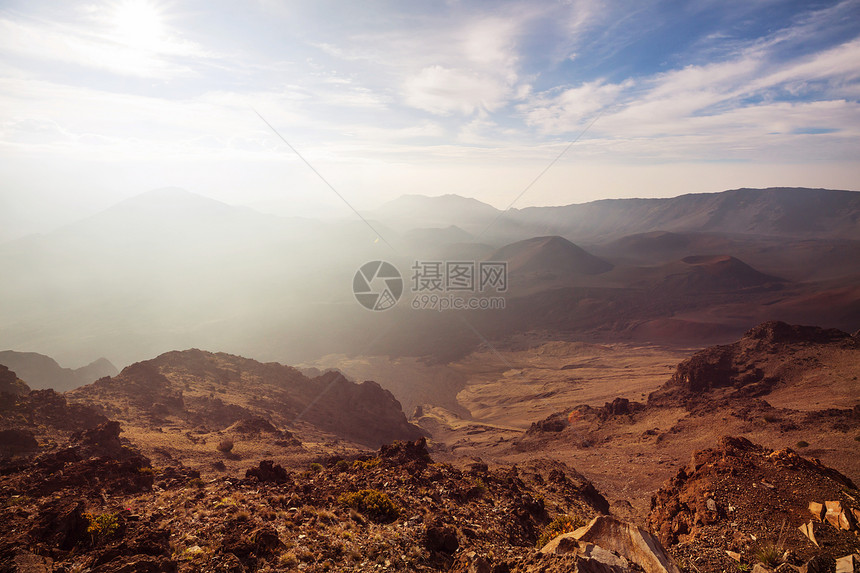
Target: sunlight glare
139,24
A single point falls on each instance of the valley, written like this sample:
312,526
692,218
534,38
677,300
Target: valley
662,384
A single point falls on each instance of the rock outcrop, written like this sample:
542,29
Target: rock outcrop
10,384
614,544
750,367
747,499
217,390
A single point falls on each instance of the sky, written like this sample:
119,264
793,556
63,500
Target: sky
584,100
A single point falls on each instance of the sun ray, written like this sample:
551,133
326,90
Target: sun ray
139,24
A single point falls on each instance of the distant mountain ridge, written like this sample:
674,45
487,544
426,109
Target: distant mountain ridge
41,372
215,390
776,211
792,212
172,269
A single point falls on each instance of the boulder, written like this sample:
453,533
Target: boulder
836,515
808,531
604,556
817,510
619,537
268,471
848,564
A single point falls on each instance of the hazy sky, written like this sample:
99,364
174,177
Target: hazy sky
103,100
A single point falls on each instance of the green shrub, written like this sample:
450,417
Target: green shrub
559,525
373,503
366,465
101,527
316,467
342,465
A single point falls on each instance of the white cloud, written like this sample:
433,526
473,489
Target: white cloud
444,91
567,111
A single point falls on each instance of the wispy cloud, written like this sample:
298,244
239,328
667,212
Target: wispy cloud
91,40
461,93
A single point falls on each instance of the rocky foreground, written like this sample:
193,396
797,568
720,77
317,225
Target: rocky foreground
96,504
200,475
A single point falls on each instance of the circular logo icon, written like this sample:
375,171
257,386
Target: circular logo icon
377,285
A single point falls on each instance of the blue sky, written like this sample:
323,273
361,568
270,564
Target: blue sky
103,100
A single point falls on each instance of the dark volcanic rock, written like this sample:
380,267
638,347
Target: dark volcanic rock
268,471
553,423
411,455
102,440
60,524
740,366
740,497
15,441
363,412
10,384
47,408
441,538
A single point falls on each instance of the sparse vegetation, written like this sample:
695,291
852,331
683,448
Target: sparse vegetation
288,559
559,525
366,464
769,554
316,467
373,503
101,527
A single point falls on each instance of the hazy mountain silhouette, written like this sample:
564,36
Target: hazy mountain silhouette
713,273
420,211
549,257
170,269
789,212
42,372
